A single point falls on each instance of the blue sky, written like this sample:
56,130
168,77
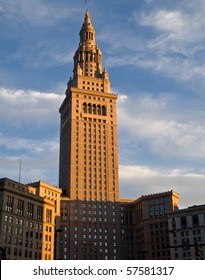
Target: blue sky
154,51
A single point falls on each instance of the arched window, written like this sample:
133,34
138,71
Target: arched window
94,109
99,110
84,107
89,109
91,56
103,110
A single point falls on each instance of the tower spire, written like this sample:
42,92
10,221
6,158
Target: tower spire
88,58
86,2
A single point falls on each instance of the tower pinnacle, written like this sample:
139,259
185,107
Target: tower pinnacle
88,58
87,31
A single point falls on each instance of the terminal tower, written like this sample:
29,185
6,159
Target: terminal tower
88,137
88,172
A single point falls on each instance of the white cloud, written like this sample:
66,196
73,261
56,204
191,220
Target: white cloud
138,180
29,146
122,98
182,25
18,107
165,20
181,69
39,158
32,168
180,39
25,109
169,130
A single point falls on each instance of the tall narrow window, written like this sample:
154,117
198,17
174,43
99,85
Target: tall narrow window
39,215
99,110
183,222
94,109
89,109
9,204
30,210
20,207
195,220
103,110
48,216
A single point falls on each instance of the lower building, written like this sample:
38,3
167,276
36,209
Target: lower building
127,229
187,233
28,219
149,220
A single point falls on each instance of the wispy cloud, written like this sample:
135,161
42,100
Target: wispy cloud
177,36
43,54
37,12
172,43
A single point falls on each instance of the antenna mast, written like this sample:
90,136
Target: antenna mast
20,171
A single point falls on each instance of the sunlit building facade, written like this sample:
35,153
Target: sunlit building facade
28,216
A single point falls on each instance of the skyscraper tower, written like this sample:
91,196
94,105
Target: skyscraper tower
88,173
88,140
